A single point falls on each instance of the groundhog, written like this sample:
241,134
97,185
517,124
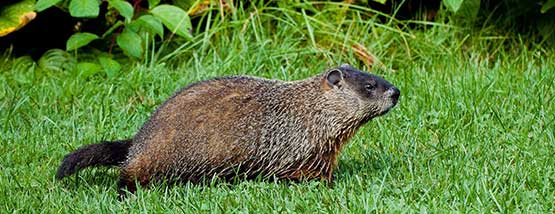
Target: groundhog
245,127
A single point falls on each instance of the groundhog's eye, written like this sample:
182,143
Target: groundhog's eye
369,87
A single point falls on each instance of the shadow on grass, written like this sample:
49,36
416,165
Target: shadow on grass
107,178
368,164
98,177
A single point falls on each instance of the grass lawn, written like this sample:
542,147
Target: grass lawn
473,131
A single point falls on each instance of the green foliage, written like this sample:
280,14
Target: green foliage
141,33
15,15
132,30
463,10
84,8
151,24
453,5
57,60
124,8
131,43
45,4
174,18
26,70
152,3
87,69
79,40
110,66
131,35
526,17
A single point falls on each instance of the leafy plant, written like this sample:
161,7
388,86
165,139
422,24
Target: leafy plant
136,25
130,27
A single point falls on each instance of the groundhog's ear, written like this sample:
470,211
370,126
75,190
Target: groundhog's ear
334,78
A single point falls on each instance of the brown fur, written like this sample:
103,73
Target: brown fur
247,127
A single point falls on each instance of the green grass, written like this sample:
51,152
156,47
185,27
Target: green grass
473,131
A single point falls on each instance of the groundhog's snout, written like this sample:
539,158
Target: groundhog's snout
394,94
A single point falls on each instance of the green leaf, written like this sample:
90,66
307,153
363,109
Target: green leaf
84,8
79,40
16,15
131,43
453,5
87,69
152,3
111,67
45,4
152,23
57,60
175,19
380,1
469,9
547,5
24,68
124,8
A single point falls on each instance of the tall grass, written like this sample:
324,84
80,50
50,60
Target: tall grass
473,132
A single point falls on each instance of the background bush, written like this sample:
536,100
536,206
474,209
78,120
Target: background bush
137,28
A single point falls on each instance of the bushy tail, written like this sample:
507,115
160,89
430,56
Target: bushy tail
101,154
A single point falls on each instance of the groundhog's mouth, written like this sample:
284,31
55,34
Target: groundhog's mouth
385,111
388,106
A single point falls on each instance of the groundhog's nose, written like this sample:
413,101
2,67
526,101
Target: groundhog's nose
394,93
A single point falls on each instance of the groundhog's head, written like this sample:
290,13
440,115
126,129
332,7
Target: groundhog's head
369,94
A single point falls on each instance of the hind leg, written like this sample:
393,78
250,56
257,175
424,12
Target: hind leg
130,177
126,184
